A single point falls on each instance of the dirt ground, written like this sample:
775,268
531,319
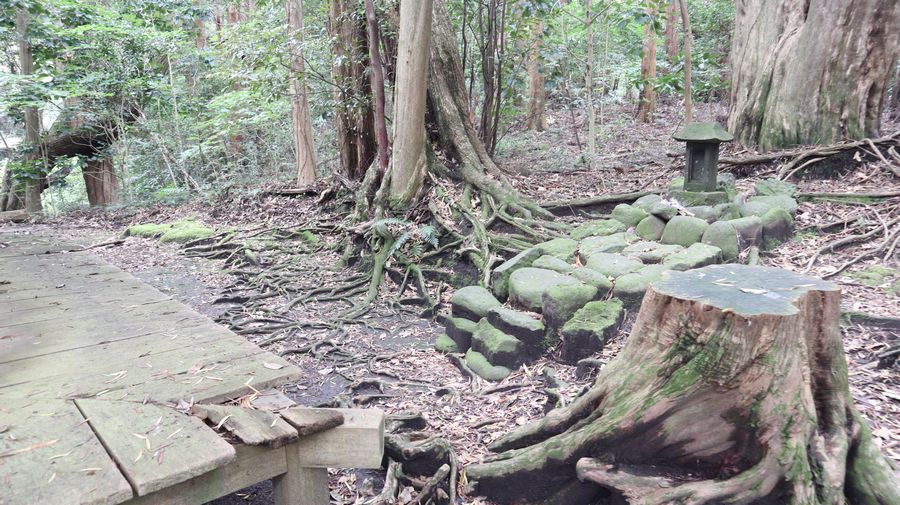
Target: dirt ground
388,361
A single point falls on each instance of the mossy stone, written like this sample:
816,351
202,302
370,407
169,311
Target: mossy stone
777,227
500,275
648,252
650,228
472,302
445,344
696,256
630,288
647,202
593,278
599,227
726,211
695,198
563,248
553,263
528,285
609,244
772,187
561,302
684,230
723,235
613,265
749,230
460,330
588,330
499,348
628,214
148,230
481,367
664,210
704,212
518,324
178,232
759,205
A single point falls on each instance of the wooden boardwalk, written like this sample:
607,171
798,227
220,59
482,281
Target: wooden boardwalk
99,374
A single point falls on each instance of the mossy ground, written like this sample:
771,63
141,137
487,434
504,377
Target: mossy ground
179,231
877,275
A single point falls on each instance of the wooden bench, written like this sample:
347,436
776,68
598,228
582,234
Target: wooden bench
112,392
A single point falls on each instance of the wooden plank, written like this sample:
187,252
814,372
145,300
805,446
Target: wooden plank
309,421
252,427
155,447
358,443
252,465
48,454
272,400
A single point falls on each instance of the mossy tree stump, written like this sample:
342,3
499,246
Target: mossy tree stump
732,388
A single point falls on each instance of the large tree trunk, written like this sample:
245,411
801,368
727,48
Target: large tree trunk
355,119
376,78
303,138
688,42
732,388
537,94
810,72
408,163
101,182
647,103
32,119
671,31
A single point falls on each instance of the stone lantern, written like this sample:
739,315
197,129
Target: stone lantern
703,141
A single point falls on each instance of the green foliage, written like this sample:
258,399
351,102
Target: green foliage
409,238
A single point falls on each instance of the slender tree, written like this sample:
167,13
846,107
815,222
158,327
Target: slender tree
537,94
304,145
408,163
688,42
589,81
810,72
32,119
671,30
647,101
376,77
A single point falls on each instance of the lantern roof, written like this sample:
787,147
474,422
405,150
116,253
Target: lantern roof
703,132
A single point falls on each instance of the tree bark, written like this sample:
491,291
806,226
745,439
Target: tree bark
377,81
489,70
100,181
732,388
647,102
32,120
589,82
688,42
537,94
303,138
810,72
671,31
354,116
408,163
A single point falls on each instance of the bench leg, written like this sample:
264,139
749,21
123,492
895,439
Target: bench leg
299,485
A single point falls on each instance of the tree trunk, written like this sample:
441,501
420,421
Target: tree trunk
489,70
537,94
671,31
732,388
377,81
688,42
354,117
32,120
810,73
303,138
647,101
589,82
408,163
101,182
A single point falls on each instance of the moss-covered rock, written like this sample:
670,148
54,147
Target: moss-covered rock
664,210
684,231
481,367
460,330
609,244
650,228
759,205
726,211
528,285
695,198
588,330
498,347
777,227
562,248
594,278
599,227
613,265
518,324
723,235
628,214
178,232
648,252
630,288
647,202
696,256
446,345
561,302
149,230
772,187
704,212
472,302
500,275
749,230
553,263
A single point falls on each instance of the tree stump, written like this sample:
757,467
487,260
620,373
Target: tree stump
732,388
